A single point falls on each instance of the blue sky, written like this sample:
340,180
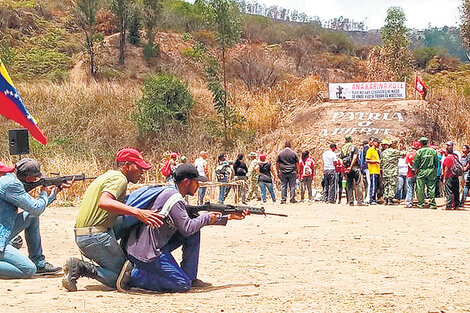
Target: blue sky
419,13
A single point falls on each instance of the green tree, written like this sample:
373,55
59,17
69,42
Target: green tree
393,60
223,17
85,18
465,27
394,32
121,8
152,9
165,101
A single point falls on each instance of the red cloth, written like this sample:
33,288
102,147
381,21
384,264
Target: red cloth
310,162
448,163
420,86
410,156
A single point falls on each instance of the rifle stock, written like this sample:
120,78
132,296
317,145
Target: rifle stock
58,181
193,210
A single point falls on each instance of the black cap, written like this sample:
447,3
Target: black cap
28,167
188,170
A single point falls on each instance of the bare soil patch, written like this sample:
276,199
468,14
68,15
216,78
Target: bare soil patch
322,258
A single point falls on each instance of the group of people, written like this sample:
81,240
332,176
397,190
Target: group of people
127,240
255,179
378,171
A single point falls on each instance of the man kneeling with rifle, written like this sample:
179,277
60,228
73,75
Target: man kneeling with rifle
13,196
150,248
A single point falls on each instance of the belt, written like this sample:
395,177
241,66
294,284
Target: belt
83,231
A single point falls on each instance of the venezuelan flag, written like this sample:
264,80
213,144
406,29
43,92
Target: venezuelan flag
13,108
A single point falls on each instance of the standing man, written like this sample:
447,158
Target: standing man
425,164
352,169
201,166
330,160
389,165
94,233
411,175
253,177
365,170
287,169
13,196
450,179
222,173
373,164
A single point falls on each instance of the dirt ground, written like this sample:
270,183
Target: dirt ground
322,258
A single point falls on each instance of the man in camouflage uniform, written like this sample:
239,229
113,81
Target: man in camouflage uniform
252,176
389,165
425,163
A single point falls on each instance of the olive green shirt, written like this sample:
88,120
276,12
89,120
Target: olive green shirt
425,162
90,214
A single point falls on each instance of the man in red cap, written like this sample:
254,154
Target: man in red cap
95,234
13,264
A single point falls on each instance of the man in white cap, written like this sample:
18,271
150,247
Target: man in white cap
13,264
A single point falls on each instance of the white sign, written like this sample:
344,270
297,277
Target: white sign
365,121
367,91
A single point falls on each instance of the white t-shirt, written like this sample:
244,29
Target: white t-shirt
200,164
329,157
402,167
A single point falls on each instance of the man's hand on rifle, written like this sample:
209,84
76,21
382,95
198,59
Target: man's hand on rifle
215,217
66,185
239,215
48,189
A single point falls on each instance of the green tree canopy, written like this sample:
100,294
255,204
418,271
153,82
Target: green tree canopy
394,33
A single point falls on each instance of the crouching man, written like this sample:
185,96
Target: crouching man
150,248
94,229
13,196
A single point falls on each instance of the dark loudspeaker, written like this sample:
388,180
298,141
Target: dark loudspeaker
19,141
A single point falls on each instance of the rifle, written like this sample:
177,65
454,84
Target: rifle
57,180
225,209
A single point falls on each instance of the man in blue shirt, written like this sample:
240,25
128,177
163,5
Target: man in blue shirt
13,264
150,248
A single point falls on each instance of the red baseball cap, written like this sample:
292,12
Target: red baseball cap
132,155
6,169
417,145
174,155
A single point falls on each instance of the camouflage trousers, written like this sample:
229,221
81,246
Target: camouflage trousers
390,186
253,187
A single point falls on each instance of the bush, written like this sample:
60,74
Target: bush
40,62
151,50
196,52
423,55
165,100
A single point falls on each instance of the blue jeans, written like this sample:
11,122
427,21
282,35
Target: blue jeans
164,274
374,182
222,190
104,249
13,264
269,186
201,194
401,187
410,190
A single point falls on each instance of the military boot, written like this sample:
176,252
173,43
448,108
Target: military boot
75,268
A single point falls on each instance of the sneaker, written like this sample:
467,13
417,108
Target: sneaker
373,203
71,272
283,201
17,242
48,269
197,283
122,283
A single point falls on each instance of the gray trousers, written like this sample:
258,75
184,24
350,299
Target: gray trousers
288,179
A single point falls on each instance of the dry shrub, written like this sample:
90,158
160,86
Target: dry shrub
258,67
106,22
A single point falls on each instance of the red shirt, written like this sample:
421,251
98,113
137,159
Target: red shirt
310,162
409,161
448,163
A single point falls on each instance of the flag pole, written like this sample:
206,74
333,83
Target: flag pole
416,76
